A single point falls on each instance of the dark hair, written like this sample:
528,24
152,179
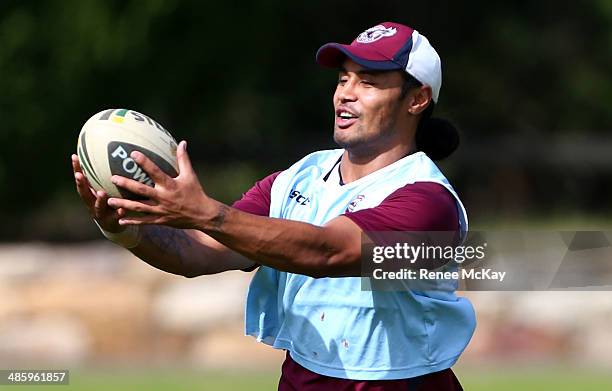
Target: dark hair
437,137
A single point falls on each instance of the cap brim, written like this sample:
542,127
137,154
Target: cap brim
332,55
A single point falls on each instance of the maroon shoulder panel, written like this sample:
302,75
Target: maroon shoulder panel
421,206
257,200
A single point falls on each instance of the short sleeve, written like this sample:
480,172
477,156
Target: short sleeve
421,206
257,200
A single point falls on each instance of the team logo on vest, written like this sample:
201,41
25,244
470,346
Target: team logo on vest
353,204
375,33
299,197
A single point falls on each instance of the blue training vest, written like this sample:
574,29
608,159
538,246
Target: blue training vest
329,325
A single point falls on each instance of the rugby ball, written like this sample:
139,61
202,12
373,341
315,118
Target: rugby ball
106,141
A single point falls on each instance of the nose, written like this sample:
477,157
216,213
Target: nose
346,92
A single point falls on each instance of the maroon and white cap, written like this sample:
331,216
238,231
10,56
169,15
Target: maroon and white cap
389,46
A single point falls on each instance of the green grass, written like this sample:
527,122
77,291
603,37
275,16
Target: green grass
473,379
534,379
166,380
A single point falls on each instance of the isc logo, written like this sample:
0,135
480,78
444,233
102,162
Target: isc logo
298,197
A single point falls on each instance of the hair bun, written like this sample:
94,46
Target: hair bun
437,137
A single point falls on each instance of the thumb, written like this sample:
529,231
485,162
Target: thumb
182,158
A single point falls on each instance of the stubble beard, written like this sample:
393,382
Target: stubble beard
355,138
358,142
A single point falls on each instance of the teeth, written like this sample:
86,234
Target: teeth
344,114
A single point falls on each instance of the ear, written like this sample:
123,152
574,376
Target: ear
419,99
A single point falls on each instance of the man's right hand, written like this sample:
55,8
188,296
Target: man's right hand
96,201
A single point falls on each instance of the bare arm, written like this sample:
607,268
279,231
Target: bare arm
184,252
332,250
318,251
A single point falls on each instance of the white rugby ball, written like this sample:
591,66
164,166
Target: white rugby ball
106,141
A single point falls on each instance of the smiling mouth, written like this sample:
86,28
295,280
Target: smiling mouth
345,118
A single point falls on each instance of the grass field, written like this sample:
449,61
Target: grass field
558,379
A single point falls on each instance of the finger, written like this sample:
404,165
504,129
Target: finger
133,186
84,190
141,220
155,173
79,176
76,165
121,212
104,212
135,206
101,207
76,168
184,163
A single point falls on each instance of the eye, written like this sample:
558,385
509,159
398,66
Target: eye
342,80
367,82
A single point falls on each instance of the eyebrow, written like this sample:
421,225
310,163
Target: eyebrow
370,72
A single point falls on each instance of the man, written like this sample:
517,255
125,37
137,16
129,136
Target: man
304,224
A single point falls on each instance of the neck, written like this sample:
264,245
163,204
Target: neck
354,165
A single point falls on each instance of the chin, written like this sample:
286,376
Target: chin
345,140
341,138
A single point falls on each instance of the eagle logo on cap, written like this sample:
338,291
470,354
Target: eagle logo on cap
375,33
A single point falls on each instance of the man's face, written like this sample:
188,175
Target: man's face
367,107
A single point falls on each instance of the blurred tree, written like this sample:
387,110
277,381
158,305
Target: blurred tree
238,80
